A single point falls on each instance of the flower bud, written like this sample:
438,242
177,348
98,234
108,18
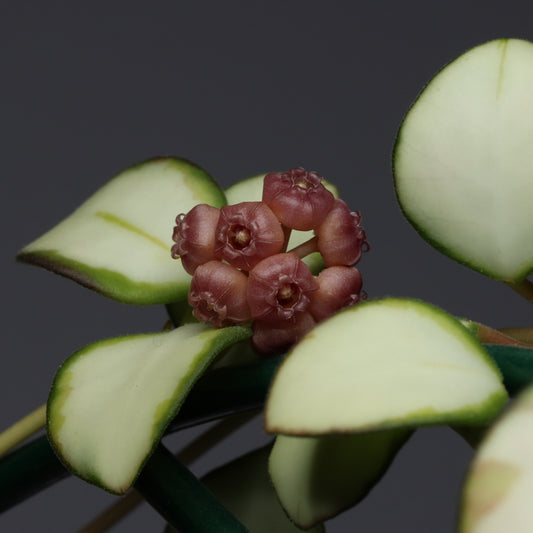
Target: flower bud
339,287
341,239
194,235
246,233
271,337
218,294
297,197
279,287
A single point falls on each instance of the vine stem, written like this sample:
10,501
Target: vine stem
489,335
523,287
21,430
190,453
286,236
524,335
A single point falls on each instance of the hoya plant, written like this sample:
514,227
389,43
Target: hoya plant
262,287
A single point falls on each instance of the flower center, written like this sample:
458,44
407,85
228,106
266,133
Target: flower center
302,183
239,236
288,295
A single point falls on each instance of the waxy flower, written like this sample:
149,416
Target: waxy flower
194,235
244,244
280,287
341,239
246,233
297,197
218,294
339,287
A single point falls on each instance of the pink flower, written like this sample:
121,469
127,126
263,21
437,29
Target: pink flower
280,287
339,287
194,235
246,233
218,294
241,271
341,239
298,198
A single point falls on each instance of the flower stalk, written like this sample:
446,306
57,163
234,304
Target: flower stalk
22,429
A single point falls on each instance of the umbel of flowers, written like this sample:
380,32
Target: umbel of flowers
243,271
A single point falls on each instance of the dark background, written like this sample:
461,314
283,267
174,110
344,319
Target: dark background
240,87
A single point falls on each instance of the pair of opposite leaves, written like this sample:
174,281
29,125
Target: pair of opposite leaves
463,177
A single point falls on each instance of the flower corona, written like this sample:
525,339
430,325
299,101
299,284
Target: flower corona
242,270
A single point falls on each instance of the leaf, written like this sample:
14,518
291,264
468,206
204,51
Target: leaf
497,491
251,190
463,161
27,470
384,363
111,401
243,486
34,466
318,477
118,242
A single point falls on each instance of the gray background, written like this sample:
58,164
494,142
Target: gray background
240,87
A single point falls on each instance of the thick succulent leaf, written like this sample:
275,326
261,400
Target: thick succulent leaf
497,492
384,363
111,401
244,487
463,161
118,242
318,477
251,190
246,190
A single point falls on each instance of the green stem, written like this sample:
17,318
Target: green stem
28,470
194,450
22,429
523,287
181,499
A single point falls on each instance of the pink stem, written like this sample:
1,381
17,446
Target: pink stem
523,287
306,248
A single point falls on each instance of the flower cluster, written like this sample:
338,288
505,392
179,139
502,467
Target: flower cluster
242,271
